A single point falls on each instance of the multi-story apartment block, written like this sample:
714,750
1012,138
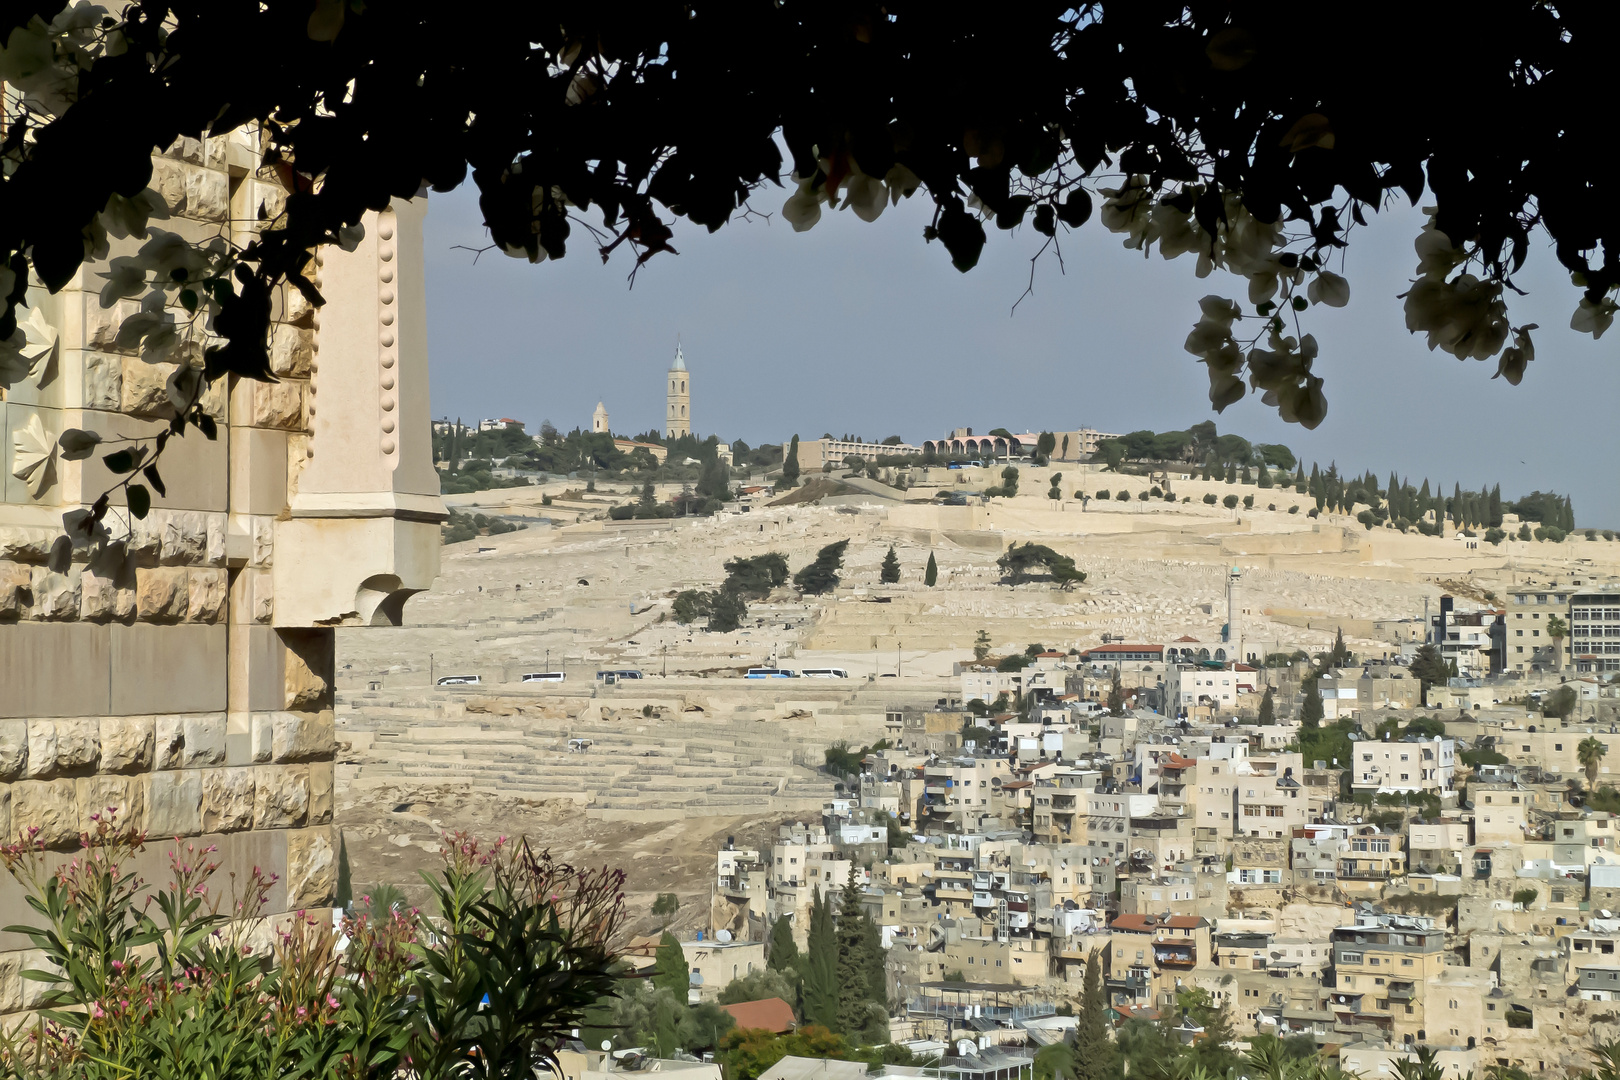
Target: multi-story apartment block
1594,630
1529,613
1410,765
1370,859
954,788
1381,964
1437,847
1150,956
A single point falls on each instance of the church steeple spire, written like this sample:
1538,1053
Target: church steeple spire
678,412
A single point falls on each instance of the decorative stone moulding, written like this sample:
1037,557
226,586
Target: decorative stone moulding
363,533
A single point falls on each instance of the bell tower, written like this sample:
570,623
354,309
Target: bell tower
678,416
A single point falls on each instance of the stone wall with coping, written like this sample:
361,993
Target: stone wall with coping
176,676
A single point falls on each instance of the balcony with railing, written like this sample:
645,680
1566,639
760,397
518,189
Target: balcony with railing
1171,956
1402,991
1366,870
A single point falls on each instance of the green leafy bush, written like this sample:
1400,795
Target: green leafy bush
516,950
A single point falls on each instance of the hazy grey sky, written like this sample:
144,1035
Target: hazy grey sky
864,328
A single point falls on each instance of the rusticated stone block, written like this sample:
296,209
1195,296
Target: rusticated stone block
174,802
13,748
161,593
184,538
217,526
101,325
56,747
120,799
308,669
311,867
103,599
278,405
190,742
302,736
5,813
103,381
281,797
107,586
190,191
206,592
51,806
126,743
292,349
56,596
144,388
16,583
227,799
320,792
25,545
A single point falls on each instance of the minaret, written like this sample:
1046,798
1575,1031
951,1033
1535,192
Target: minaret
599,418
678,420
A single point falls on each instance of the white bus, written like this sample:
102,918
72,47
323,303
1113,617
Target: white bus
824,673
545,676
771,673
617,675
460,680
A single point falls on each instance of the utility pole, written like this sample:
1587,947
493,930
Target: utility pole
430,669
897,659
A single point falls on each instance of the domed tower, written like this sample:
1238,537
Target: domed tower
599,418
678,417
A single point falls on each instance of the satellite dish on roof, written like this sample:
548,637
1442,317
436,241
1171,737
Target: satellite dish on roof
722,935
607,1044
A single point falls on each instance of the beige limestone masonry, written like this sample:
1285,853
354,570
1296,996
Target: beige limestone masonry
182,677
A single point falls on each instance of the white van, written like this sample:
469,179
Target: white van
545,676
824,673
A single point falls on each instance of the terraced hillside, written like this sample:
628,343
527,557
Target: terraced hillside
616,761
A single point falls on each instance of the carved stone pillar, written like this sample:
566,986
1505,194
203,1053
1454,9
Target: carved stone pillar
363,534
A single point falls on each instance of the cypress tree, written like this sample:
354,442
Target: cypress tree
1423,500
1299,474
1243,477
784,951
877,983
1315,487
1310,713
931,575
1231,473
790,465
1455,509
821,967
1093,1050
1263,477
670,971
853,962
1495,510
1268,710
890,572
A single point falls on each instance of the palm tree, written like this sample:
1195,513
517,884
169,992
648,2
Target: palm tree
1590,753
1557,629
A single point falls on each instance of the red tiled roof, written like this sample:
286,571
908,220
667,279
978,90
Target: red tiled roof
772,1014
1175,761
1185,637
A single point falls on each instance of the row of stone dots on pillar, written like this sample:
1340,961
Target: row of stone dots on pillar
387,356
